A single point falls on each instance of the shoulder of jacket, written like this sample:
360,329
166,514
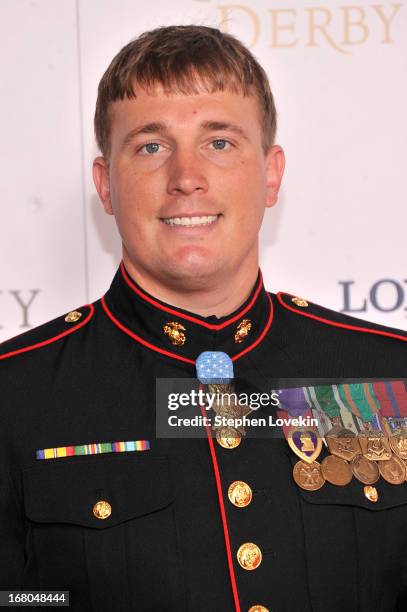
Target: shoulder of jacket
309,310
47,333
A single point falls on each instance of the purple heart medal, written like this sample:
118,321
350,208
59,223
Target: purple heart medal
303,440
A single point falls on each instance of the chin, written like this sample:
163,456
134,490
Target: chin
195,259
194,271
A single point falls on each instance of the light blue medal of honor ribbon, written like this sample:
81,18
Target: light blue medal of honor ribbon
214,367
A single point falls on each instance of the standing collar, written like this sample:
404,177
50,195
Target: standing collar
181,334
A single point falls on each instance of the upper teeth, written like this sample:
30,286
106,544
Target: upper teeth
191,220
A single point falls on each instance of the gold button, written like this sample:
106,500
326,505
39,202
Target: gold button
73,316
102,509
242,330
300,302
240,494
228,437
175,333
249,556
371,493
258,608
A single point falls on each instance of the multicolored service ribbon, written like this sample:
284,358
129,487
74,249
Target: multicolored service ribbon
379,406
392,398
359,398
348,419
95,448
293,401
324,397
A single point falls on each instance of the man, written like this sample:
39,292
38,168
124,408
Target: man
186,122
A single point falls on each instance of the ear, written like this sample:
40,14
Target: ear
275,164
102,183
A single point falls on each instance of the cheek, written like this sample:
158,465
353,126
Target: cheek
248,196
249,177
134,196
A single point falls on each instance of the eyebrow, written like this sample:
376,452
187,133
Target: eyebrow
222,125
156,127
148,128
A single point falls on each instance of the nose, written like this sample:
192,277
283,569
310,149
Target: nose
186,173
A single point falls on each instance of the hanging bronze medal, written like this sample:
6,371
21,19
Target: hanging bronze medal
335,470
308,476
343,444
227,408
219,389
231,416
393,471
364,470
375,446
398,443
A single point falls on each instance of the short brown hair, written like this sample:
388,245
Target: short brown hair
184,59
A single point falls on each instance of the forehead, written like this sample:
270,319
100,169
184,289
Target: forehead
181,110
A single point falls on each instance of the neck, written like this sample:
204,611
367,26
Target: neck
220,298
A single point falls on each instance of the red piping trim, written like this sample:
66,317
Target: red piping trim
136,337
179,314
378,332
54,338
222,512
180,357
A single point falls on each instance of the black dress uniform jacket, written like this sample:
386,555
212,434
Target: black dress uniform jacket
171,540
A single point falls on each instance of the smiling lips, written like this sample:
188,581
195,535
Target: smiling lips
190,221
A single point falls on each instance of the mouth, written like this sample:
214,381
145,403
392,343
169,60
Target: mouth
190,221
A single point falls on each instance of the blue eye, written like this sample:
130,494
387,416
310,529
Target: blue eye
151,147
220,144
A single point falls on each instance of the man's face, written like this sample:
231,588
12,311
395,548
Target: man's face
188,183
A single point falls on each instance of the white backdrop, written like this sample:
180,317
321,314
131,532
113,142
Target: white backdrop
338,73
